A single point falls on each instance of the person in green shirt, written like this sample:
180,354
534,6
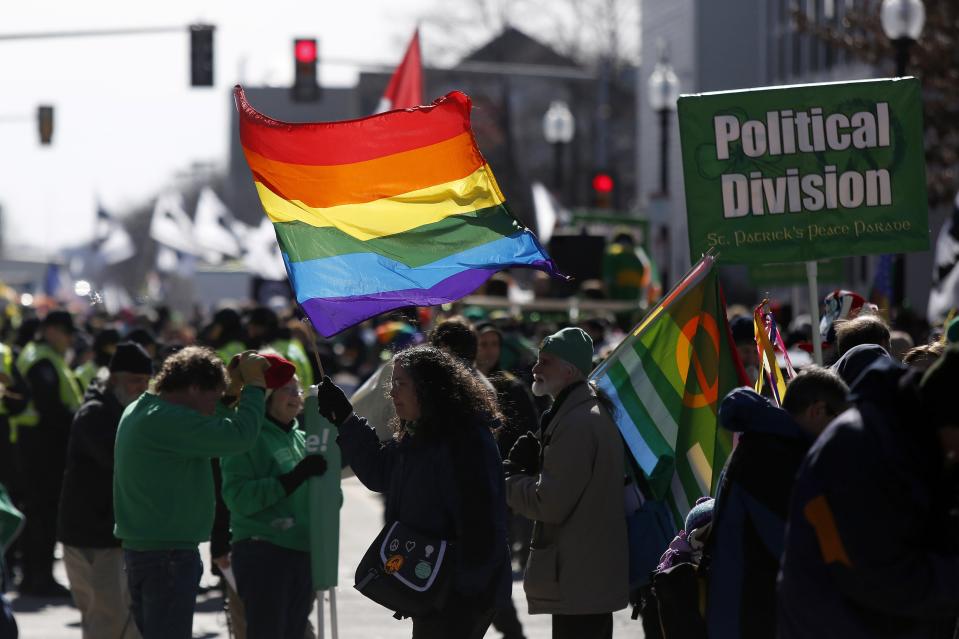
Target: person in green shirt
266,493
163,482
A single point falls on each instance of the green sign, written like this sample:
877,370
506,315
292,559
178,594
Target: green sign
793,273
805,172
325,496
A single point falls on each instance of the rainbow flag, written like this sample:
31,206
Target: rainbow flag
396,209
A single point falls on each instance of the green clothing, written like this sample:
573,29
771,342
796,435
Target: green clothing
163,483
228,350
259,506
624,273
11,522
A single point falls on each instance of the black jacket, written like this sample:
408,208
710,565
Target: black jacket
86,500
449,488
870,547
518,407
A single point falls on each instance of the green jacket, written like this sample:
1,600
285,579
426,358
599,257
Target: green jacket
259,507
163,480
11,522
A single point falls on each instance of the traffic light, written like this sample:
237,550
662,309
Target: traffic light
305,87
603,186
45,123
201,55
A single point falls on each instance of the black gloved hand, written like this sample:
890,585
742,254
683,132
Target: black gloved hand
309,466
333,403
510,469
524,455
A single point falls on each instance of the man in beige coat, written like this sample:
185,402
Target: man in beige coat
572,489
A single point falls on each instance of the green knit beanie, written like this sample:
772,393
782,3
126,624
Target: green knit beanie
952,331
572,345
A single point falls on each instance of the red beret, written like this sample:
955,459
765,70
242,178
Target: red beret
280,371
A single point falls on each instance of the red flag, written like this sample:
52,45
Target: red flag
406,86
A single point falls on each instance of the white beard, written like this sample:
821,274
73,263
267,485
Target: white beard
541,388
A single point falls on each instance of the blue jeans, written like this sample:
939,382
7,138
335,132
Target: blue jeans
276,588
163,589
8,625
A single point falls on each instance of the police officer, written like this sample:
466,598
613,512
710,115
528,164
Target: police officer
41,432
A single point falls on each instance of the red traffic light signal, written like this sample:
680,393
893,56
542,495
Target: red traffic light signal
603,183
305,87
305,51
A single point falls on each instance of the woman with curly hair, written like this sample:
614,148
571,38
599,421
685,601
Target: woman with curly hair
443,478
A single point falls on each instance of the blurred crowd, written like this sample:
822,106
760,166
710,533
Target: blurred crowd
791,508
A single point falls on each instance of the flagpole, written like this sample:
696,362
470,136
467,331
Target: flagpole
663,304
311,334
334,634
812,268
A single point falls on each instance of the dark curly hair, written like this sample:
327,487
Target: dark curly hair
449,395
191,366
455,335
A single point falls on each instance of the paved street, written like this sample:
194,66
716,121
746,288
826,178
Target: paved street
359,618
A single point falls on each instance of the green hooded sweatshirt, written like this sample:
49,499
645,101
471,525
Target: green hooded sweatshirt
259,506
163,482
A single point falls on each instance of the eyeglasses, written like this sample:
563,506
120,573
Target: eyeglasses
290,391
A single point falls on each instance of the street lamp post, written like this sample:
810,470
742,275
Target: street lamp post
663,93
902,22
663,90
559,126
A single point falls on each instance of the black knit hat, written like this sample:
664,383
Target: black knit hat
60,319
938,387
130,357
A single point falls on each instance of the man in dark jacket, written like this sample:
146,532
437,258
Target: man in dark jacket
870,546
749,520
91,554
41,432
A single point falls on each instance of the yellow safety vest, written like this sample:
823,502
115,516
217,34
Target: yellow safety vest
230,349
70,393
6,362
86,373
294,352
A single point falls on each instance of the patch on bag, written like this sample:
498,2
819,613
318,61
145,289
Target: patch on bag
394,563
423,570
411,558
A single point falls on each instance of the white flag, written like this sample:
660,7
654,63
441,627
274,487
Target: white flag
110,240
261,254
173,262
548,211
944,295
214,228
171,226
